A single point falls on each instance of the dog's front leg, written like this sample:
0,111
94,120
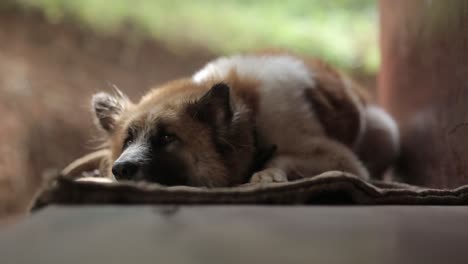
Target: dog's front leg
317,155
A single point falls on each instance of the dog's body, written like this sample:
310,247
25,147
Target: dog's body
208,130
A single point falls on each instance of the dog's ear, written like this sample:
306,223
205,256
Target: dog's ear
107,109
214,107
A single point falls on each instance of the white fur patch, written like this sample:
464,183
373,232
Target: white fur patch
264,68
355,99
381,119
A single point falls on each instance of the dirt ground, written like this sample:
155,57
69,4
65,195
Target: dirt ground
48,73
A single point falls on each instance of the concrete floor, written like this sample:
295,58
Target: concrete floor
238,234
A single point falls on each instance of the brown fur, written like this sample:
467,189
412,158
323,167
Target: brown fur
338,114
332,99
245,89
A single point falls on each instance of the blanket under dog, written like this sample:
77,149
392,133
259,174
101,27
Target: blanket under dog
333,187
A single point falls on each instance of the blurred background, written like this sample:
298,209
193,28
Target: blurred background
54,54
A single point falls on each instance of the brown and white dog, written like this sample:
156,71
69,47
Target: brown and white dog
208,130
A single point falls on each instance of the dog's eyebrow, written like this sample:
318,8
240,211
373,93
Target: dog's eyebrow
133,128
162,127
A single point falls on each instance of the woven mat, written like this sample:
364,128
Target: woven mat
331,187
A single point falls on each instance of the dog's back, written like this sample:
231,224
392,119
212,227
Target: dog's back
299,102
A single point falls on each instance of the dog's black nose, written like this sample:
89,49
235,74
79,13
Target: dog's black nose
124,170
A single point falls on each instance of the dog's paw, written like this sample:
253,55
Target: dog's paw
269,175
95,179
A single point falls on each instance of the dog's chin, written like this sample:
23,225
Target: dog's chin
141,176
161,178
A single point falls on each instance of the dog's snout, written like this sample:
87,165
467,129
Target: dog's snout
124,170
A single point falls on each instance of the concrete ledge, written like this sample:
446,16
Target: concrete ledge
237,234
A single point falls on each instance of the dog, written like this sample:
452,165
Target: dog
299,115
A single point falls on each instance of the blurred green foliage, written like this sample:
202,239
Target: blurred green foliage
342,32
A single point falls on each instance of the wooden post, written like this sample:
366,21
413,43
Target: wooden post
424,83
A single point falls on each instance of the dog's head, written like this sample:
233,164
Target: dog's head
179,134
